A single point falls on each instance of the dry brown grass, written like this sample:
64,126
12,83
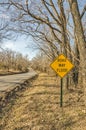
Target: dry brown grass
37,108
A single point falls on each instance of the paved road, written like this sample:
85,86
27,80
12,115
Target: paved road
12,80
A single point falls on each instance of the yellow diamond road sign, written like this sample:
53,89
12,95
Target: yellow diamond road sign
62,65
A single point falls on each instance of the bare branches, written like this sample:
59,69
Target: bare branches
13,60
52,15
44,21
83,12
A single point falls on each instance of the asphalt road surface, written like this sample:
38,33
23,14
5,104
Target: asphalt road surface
11,80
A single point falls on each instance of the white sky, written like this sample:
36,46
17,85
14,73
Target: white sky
20,45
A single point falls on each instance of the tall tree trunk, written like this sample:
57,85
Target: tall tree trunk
65,41
80,40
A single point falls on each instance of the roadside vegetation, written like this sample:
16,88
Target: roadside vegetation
12,62
38,108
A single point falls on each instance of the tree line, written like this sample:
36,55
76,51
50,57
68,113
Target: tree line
13,61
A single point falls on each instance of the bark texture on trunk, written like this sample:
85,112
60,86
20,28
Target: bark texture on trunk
80,40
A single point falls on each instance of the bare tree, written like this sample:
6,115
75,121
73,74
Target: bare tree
41,63
3,33
48,22
13,61
79,34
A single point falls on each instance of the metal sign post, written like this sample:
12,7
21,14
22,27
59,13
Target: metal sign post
61,93
61,66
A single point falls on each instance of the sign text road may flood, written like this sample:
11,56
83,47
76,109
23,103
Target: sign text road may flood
62,65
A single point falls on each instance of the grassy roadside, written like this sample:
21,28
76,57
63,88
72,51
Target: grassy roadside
37,108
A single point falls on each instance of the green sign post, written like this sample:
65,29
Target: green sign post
61,94
61,66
